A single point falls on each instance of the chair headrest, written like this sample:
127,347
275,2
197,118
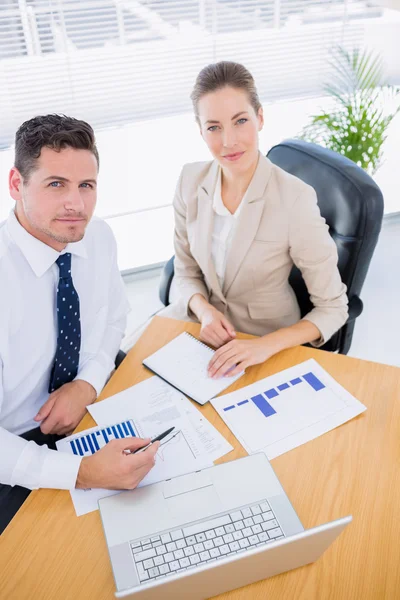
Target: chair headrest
348,198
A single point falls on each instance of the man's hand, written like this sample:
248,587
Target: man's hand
215,328
65,407
112,469
239,354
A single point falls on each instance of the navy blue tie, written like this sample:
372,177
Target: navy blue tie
66,361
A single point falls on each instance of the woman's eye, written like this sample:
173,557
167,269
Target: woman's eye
212,128
241,121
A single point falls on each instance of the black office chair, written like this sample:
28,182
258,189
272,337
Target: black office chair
352,205
119,358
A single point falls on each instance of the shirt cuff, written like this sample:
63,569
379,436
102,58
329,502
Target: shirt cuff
40,467
60,470
95,374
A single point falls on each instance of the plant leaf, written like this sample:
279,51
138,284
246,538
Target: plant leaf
357,125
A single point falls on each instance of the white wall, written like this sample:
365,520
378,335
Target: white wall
130,156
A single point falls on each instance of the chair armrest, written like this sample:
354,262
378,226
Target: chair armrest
355,308
119,358
165,282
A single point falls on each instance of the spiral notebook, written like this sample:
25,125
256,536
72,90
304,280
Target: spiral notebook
183,363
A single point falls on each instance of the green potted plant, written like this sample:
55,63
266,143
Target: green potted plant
363,108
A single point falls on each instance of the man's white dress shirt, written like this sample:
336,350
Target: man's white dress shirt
28,337
225,224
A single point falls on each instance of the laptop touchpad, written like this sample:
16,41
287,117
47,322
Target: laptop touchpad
194,505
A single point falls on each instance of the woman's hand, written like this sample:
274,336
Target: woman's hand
237,355
215,328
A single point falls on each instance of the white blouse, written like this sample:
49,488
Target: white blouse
225,224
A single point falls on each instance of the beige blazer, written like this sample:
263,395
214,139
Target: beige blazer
279,225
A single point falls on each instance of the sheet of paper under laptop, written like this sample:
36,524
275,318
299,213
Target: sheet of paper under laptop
175,457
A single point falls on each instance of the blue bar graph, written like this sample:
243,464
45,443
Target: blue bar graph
263,405
79,447
89,439
260,400
92,442
131,428
314,381
96,445
283,386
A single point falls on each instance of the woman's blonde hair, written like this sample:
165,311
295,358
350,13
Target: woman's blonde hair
224,74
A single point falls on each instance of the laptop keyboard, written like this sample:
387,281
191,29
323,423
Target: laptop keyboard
182,549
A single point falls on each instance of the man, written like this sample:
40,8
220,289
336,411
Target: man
62,317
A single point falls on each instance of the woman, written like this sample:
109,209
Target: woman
240,225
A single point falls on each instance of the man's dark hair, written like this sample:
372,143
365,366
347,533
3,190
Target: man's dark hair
50,131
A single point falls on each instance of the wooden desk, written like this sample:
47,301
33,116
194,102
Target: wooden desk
48,553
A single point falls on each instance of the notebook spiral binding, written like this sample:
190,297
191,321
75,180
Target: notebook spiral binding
199,342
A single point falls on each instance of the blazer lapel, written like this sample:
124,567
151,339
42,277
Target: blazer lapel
204,228
248,221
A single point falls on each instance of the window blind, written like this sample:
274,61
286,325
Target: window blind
114,62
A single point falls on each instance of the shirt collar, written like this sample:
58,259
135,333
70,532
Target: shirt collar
218,205
39,255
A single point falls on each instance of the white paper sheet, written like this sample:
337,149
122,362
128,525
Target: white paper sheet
174,458
288,409
155,406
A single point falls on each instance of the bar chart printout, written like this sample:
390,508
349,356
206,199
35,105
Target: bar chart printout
175,457
288,409
91,442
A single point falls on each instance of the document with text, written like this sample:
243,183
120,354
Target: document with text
146,410
155,406
175,457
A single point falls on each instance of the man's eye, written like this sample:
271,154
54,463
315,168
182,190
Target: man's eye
55,184
86,185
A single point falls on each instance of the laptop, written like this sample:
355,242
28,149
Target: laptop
208,532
